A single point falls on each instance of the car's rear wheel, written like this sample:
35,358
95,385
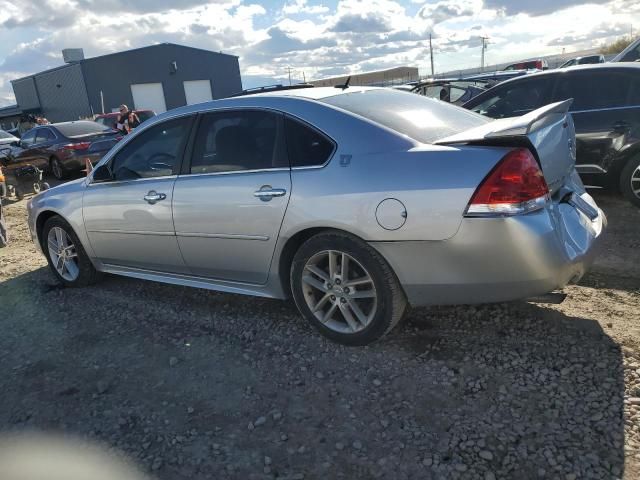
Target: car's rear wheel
346,289
66,257
56,168
630,181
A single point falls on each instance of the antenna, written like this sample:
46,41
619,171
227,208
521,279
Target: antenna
345,85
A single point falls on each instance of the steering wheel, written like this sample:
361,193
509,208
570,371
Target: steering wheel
156,161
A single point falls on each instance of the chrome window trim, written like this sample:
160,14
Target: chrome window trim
90,182
234,172
625,107
584,166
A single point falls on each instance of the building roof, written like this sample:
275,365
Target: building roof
10,111
88,60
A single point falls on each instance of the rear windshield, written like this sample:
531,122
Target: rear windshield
79,129
423,119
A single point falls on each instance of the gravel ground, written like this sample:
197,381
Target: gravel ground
193,384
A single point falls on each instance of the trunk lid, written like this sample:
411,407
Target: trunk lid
548,131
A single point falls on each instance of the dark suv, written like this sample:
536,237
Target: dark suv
606,112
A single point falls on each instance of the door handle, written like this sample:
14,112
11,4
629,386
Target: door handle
269,193
153,197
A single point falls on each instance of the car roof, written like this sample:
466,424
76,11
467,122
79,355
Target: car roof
574,68
316,93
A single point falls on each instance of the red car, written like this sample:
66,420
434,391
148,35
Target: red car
109,119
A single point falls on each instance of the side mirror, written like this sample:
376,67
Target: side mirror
102,174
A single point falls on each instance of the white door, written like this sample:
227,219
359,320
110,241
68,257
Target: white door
148,96
197,91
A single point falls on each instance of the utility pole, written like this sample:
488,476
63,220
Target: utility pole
289,69
484,47
431,52
304,77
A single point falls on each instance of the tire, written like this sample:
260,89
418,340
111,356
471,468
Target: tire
630,181
86,272
57,169
370,284
18,193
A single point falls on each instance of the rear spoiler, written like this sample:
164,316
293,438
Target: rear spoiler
511,127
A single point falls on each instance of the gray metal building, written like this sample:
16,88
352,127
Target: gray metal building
159,77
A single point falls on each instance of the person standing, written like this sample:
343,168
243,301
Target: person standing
4,236
127,120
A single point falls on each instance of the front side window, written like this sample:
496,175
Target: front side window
515,99
593,90
306,146
237,140
153,153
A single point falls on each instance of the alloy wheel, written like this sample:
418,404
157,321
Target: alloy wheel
339,291
635,181
63,254
56,168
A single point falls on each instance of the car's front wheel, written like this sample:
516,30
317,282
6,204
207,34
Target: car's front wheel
630,181
66,256
346,289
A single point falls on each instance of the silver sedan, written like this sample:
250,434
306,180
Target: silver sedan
356,202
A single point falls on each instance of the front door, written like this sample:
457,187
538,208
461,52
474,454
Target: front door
129,219
229,203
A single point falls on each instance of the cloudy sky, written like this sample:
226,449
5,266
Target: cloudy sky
315,38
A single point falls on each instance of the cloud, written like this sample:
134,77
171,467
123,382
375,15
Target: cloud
358,23
536,8
444,10
297,7
602,31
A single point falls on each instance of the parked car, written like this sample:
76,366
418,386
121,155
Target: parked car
62,148
15,132
109,119
355,201
586,60
6,138
605,109
452,91
539,64
629,54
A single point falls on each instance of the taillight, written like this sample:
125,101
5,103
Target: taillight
515,186
539,64
77,146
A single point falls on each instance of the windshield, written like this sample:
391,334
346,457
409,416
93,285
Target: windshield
79,129
423,119
4,134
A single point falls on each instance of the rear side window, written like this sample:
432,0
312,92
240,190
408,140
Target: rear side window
44,135
306,147
233,141
423,119
593,90
516,98
153,153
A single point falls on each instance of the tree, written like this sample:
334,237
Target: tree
617,46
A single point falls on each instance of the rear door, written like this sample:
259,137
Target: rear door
602,115
45,139
229,203
129,220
